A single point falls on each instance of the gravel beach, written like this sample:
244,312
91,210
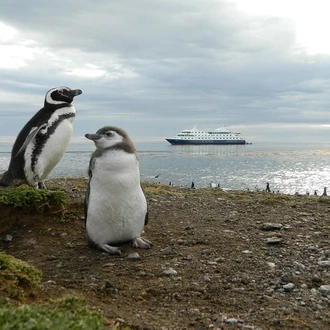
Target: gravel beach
219,260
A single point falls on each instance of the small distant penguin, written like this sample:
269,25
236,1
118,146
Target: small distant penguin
267,187
115,205
43,140
212,184
325,191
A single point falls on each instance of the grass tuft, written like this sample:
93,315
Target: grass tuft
27,197
17,278
69,313
153,190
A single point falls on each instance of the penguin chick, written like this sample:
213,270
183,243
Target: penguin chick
115,205
43,140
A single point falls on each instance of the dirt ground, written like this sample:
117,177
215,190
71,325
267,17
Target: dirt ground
219,260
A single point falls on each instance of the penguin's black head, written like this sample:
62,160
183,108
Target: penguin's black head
61,95
111,137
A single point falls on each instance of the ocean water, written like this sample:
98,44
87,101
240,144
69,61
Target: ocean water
289,168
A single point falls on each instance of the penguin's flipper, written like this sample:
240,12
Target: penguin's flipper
86,200
146,219
34,131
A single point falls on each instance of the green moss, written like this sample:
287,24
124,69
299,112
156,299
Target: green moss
271,199
27,197
155,189
17,278
64,314
324,200
268,201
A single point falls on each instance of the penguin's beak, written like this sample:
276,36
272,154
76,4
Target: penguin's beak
75,92
93,137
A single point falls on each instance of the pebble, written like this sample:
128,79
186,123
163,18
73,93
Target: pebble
274,241
300,266
314,292
271,226
109,264
120,320
8,238
325,289
324,263
288,287
134,256
231,321
207,279
316,278
271,265
93,279
286,278
167,251
194,310
169,272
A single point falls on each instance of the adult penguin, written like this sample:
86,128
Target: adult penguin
43,140
115,205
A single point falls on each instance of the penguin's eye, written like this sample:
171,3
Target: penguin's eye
63,91
108,134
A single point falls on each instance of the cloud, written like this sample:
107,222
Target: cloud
161,66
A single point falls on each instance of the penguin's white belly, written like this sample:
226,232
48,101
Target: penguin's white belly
51,153
117,205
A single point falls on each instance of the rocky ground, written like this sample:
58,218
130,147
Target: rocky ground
219,260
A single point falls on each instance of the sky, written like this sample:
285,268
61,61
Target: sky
155,67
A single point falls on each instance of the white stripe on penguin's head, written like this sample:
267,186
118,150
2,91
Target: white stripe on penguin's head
61,95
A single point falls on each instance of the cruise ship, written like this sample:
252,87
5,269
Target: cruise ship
217,136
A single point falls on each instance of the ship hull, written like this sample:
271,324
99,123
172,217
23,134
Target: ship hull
203,142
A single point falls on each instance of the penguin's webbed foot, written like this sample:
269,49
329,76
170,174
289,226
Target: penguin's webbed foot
138,242
41,185
109,249
7,180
